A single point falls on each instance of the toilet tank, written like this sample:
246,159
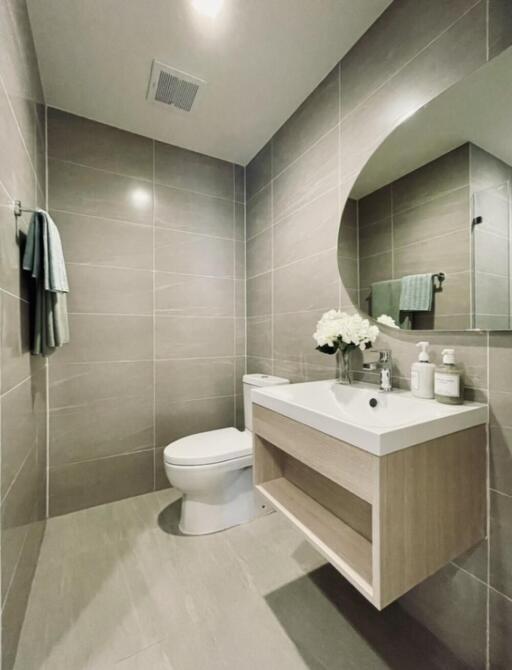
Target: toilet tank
251,381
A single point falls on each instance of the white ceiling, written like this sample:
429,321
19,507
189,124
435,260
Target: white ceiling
260,58
478,110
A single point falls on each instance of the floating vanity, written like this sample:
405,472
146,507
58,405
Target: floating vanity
387,493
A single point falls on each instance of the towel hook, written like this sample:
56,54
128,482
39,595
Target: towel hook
18,211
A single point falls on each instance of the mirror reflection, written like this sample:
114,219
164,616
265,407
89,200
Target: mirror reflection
425,238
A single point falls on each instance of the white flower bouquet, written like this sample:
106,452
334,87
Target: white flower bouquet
339,330
341,333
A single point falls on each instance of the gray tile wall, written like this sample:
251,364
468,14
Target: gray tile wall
297,187
421,223
22,378
154,242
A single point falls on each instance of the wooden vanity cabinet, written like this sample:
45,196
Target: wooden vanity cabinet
384,522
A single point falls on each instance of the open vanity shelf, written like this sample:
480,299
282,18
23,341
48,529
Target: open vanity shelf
384,522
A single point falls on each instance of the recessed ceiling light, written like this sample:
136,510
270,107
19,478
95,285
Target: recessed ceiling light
208,7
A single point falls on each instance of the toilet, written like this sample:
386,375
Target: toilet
213,470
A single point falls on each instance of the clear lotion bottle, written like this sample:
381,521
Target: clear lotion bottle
448,381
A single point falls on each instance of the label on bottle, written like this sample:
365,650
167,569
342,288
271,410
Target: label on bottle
415,380
447,385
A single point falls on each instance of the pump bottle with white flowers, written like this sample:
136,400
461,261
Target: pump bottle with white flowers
341,333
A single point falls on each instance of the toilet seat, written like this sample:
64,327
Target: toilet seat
214,446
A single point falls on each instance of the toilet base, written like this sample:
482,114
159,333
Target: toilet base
222,508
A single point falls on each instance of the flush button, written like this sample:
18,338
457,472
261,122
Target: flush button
373,402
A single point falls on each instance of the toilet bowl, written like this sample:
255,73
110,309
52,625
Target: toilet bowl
213,470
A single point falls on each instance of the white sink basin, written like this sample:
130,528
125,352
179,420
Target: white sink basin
399,420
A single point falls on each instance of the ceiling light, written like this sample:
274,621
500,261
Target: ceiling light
208,7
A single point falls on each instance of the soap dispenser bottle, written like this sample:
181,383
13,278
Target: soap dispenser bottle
448,381
422,374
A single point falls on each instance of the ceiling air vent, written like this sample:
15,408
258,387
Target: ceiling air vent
172,87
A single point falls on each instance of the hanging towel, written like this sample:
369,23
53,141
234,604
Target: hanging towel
416,293
385,299
44,259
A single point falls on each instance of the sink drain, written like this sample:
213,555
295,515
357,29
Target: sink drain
373,402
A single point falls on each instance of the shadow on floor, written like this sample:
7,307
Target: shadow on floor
334,627
169,518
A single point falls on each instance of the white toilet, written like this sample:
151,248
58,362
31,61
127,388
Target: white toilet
213,470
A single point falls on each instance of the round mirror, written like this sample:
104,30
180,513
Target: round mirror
425,237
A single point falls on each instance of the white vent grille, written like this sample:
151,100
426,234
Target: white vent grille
172,87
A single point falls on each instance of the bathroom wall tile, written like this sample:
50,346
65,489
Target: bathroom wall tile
16,362
375,268
13,613
239,221
239,183
84,190
294,291
294,370
491,254
175,420
183,337
315,117
240,253
161,481
314,173
18,512
491,294
500,624
259,295
501,540
259,171
79,485
454,297
259,212
500,26
486,170
74,138
310,230
16,174
375,206
499,407
12,279
495,211
193,379
185,295
348,231
240,297
493,322
193,212
401,32
475,560
348,268
107,290
259,365
107,338
500,362
99,410
193,254
440,215
501,458
293,337
240,339
452,605
259,337
193,171
259,253
418,82
22,430
375,238
87,239
447,254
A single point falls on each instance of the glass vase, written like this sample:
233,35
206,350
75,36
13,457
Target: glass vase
343,366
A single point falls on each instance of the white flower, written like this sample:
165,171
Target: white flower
336,328
387,321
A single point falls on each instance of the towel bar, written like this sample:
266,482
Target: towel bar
18,211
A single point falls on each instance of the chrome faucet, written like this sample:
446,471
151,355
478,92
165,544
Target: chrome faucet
382,362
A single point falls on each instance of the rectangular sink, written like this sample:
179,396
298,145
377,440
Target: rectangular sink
397,421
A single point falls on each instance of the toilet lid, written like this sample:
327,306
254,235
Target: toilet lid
214,446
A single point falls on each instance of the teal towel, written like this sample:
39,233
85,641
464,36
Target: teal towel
44,259
416,293
385,299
